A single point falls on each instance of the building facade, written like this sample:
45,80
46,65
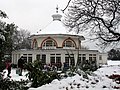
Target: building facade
54,45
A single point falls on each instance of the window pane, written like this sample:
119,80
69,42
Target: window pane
79,60
68,43
49,43
38,56
72,61
84,55
29,59
52,60
90,54
25,59
58,59
94,58
100,57
67,60
94,54
44,59
58,62
90,58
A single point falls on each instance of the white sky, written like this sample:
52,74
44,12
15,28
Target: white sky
32,15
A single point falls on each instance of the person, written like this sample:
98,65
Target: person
8,67
20,65
59,65
65,66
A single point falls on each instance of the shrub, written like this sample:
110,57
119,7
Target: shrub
2,66
37,76
14,65
115,77
7,84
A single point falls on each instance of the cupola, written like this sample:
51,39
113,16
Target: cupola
57,16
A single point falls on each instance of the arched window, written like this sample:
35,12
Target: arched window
69,44
49,44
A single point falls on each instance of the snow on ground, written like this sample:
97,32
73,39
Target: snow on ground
98,81
110,62
15,76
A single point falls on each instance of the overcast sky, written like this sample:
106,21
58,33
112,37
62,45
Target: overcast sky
33,15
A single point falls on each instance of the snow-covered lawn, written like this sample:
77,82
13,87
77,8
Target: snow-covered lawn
110,62
98,81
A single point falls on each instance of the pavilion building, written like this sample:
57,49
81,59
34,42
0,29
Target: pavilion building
55,45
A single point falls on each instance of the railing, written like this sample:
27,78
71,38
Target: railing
68,47
48,47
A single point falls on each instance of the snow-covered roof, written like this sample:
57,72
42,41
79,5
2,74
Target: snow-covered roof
56,26
56,35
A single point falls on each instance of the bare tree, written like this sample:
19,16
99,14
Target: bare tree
99,17
20,39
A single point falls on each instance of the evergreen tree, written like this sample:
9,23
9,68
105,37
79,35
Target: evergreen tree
11,39
9,43
114,54
2,38
37,76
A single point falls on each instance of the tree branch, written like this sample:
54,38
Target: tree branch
66,6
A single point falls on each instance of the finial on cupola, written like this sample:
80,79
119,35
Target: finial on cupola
57,9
